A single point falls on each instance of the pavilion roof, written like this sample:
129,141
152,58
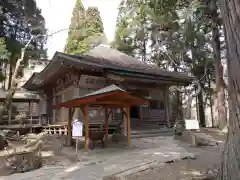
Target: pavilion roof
111,96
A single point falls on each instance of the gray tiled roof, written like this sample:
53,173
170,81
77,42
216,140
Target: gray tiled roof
110,57
19,94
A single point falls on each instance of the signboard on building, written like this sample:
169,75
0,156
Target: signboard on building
114,77
94,82
77,129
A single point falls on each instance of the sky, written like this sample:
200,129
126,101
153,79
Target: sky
58,13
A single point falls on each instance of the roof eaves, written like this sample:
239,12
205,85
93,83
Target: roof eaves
141,75
131,70
29,81
81,58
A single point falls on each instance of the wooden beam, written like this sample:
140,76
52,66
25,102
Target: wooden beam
69,133
112,102
86,124
114,106
128,126
106,125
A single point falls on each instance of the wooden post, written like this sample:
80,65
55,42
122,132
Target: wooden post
86,128
69,133
128,125
106,125
30,108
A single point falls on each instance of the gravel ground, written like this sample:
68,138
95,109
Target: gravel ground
208,158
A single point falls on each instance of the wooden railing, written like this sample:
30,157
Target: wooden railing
61,129
28,120
56,129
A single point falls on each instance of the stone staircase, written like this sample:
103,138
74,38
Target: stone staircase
139,133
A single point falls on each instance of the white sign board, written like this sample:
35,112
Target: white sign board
191,124
77,128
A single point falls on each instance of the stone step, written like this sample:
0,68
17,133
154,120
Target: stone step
151,133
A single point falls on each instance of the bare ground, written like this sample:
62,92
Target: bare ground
207,160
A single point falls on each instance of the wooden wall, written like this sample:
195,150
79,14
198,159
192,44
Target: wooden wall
157,112
79,85
153,115
96,114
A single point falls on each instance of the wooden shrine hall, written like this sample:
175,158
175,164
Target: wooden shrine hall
69,76
111,97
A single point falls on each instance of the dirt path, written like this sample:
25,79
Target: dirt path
208,158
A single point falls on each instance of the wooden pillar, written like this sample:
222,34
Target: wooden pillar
86,124
106,125
69,133
128,125
30,108
54,110
124,110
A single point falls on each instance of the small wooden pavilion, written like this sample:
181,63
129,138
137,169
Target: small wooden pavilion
21,97
109,97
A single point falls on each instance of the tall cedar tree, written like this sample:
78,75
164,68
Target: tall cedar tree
84,25
230,169
76,33
94,27
124,38
4,57
131,29
221,120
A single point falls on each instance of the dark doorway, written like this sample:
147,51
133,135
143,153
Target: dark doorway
135,112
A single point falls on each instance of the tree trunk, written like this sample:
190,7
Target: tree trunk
201,109
178,108
14,82
221,120
230,10
10,73
210,99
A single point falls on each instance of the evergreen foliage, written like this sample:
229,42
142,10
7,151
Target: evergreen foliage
174,34
85,30
4,58
20,21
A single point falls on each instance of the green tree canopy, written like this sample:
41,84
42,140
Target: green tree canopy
85,30
4,57
21,21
